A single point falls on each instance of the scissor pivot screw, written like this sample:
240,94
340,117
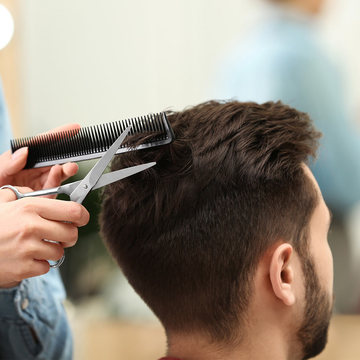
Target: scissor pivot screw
85,186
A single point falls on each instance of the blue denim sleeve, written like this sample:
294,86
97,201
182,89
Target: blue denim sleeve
33,322
5,128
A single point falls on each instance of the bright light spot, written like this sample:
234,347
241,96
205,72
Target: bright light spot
6,26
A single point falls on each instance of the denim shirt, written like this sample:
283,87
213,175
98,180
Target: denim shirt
33,322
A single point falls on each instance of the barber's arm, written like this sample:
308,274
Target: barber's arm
33,323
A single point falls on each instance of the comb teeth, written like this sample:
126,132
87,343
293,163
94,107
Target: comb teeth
93,141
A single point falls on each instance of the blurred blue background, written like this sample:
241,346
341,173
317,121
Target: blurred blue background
91,62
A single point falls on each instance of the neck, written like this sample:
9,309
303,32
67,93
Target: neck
266,343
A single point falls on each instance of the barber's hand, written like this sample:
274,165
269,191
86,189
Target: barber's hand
24,224
12,173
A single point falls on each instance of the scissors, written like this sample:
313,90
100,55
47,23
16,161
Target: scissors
94,179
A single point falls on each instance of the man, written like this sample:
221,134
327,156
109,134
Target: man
226,237
282,58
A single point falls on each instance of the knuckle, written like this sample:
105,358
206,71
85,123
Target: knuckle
74,234
27,250
75,212
27,229
27,205
70,244
86,216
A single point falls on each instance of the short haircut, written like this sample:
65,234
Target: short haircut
189,232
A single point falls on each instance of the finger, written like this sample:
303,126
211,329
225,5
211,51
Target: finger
69,169
66,234
11,164
7,195
35,249
58,210
66,127
33,268
59,173
54,177
45,250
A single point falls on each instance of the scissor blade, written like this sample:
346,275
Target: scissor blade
106,179
113,176
96,172
90,180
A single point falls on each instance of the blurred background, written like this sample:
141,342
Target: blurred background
92,62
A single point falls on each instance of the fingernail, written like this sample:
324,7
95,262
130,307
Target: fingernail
19,153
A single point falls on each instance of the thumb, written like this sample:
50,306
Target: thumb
11,164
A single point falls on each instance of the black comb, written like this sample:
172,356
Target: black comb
93,141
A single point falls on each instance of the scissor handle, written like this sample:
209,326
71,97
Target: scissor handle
44,192
17,193
20,195
58,263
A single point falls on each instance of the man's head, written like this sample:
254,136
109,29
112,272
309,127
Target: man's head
228,218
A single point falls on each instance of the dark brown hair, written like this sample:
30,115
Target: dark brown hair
189,232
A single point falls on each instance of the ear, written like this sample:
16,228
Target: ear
282,274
